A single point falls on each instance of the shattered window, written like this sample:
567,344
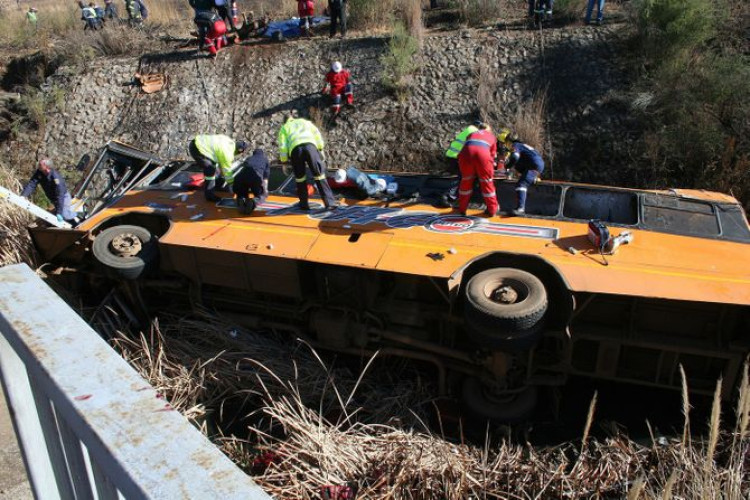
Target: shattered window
679,216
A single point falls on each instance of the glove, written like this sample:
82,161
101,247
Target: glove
60,218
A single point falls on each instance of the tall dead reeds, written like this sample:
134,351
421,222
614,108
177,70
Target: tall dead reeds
15,243
528,120
314,425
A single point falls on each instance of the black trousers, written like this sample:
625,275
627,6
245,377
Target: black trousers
209,170
337,11
246,181
307,156
226,16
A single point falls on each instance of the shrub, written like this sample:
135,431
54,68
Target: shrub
670,29
15,243
479,12
371,14
399,61
693,97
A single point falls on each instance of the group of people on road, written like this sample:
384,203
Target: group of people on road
95,17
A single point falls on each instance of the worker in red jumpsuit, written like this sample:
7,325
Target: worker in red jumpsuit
305,10
215,38
338,83
477,162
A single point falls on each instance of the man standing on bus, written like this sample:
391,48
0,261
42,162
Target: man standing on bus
477,161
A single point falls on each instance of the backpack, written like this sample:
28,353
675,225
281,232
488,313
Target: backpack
598,235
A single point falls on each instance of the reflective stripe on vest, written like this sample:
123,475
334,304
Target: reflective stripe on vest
478,142
458,143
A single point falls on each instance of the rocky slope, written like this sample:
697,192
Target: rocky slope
248,90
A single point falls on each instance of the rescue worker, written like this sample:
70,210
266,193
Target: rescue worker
477,161
54,187
338,82
133,8
252,177
452,154
222,8
337,11
300,141
305,11
31,18
215,154
110,10
88,14
203,19
216,36
527,162
99,15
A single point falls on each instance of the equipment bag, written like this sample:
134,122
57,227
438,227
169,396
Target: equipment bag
598,235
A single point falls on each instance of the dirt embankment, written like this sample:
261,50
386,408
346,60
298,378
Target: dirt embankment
248,90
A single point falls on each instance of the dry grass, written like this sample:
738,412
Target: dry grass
318,426
370,15
15,243
528,120
479,12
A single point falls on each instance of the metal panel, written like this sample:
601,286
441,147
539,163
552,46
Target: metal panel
142,447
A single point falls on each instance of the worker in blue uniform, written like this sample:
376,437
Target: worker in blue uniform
54,187
252,177
528,163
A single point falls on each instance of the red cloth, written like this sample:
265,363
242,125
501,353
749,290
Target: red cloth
337,81
476,162
305,8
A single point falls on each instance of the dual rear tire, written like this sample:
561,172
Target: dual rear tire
504,310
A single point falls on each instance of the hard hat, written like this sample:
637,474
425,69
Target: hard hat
340,176
381,184
336,67
504,135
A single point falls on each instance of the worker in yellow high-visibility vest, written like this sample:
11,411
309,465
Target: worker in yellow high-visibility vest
452,154
215,154
300,141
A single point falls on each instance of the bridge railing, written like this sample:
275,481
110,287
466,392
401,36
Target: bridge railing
89,426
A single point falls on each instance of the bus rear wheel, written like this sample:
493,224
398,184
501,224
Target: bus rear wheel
505,308
483,402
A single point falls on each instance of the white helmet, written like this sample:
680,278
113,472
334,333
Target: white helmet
340,176
336,67
381,184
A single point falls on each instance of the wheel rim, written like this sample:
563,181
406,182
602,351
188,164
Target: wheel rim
506,292
126,245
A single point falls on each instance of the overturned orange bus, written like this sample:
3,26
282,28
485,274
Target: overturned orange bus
499,307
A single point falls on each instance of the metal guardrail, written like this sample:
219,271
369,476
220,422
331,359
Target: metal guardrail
89,426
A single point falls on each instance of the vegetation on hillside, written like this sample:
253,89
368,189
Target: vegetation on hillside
693,95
